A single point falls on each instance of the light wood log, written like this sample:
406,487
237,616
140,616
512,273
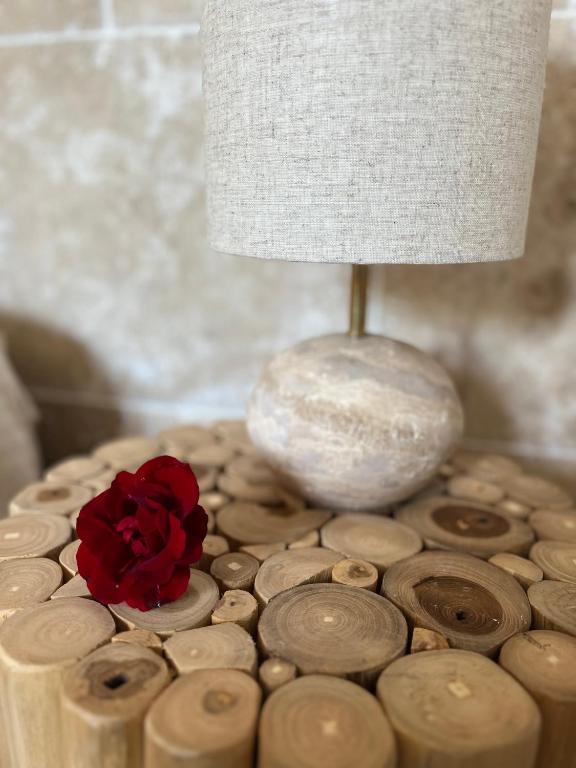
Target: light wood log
557,559
206,477
104,700
213,455
255,524
37,645
554,526
486,466
333,630
524,571
67,559
73,519
356,573
206,719
553,606
473,489
27,582
379,540
291,499
514,509
234,433
211,521
455,709
226,646
213,501
75,470
231,429
34,535
190,611
237,607
252,469
50,498
213,546
181,440
437,487
476,605
427,640
311,539
291,568
101,482
74,587
466,527
235,570
262,551
447,470
5,759
127,453
241,489
536,492
320,721
545,664
143,638
274,673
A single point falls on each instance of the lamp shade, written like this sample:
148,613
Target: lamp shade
372,131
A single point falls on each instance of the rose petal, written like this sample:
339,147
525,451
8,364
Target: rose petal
195,528
175,475
176,543
104,543
176,586
101,586
138,537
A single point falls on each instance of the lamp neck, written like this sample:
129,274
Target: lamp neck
358,294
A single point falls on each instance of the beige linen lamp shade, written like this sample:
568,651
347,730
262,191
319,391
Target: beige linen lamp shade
372,131
368,132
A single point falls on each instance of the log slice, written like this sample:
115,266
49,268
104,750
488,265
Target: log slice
50,498
37,645
127,453
255,524
455,708
320,721
537,492
207,719
553,606
475,605
465,526
333,630
67,559
34,535
490,467
553,525
234,570
524,571
544,663
190,611
104,700
226,646
237,607
27,582
75,470
379,540
293,567
557,559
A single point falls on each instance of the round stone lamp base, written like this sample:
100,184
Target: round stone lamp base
355,424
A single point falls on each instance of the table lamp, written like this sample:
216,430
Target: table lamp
368,132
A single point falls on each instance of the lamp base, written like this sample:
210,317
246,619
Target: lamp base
355,424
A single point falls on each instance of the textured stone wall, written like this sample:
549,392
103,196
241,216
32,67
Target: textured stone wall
119,318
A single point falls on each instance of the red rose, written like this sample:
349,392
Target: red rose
139,538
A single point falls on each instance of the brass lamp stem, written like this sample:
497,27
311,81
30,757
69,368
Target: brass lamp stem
358,292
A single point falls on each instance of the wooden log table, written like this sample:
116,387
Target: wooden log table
440,633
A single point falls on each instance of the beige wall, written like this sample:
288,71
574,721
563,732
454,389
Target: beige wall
119,318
